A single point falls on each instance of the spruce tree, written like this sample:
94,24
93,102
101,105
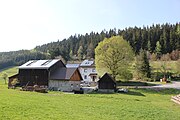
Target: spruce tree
80,53
158,49
142,67
145,65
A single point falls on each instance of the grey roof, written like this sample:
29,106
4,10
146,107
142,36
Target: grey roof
38,64
87,63
72,65
63,73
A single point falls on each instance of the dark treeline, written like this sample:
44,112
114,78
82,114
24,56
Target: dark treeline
157,39
166,37
19,57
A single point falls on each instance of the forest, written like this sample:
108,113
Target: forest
161,39
157,39
15,58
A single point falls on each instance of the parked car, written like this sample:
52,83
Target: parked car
84,84
122,90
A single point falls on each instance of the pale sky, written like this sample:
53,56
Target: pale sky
25,24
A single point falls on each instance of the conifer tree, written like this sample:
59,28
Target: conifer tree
80,53
158,49
142,67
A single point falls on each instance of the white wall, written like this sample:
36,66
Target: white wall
85,71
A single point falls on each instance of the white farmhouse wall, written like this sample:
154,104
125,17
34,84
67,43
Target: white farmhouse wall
85,72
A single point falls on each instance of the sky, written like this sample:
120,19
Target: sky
25,24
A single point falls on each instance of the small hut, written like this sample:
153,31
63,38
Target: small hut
12,81
106,83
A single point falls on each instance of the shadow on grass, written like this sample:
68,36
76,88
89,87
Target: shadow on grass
135,93
134,83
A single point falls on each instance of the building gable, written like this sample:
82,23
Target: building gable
107,82
66,74
76,76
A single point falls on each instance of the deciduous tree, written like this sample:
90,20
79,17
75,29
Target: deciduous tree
113,55
4,76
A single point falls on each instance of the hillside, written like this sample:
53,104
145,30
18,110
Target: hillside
168,35
15,58
82,46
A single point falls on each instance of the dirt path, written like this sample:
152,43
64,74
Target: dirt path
174,84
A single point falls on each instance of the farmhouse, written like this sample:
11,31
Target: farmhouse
51,73
88,71
106,83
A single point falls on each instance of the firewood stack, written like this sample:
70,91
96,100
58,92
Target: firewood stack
176,99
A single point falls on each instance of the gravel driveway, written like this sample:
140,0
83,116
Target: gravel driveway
174,84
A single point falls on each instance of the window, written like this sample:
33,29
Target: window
31,63
85,77
94,78
45,63
87,63
85,70
93,70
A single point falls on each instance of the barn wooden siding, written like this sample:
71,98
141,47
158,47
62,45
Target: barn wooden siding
37,76
32,77
107,82
76,76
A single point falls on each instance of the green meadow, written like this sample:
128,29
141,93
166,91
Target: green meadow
171,66
9,71
137,104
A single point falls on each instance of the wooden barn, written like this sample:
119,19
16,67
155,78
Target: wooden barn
37,72
40,72
106,83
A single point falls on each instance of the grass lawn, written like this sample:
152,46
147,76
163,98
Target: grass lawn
137,104
171,65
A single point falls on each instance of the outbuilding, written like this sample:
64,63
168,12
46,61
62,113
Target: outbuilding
106,83
12,81
65,79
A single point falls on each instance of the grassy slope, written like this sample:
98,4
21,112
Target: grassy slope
169,64
10,71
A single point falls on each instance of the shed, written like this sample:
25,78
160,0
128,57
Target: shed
11,79
106,83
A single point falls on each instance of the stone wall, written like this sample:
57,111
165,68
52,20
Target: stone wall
64,85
